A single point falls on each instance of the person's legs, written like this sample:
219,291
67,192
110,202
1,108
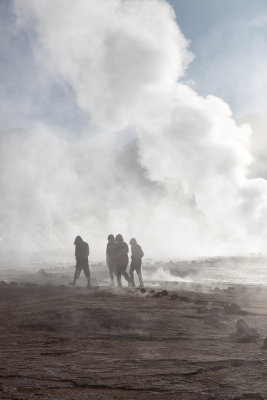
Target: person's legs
86,271
76,273
118,274
119,278
126,277
139,273
114,268
111,273
131,272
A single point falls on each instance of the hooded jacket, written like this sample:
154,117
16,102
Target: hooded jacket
137,252
81,249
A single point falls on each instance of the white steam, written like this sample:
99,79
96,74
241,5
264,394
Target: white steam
180,187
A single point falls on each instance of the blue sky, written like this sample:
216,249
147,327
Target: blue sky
228,38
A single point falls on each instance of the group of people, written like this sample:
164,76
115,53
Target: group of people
117,260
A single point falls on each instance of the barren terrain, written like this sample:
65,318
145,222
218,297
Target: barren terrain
62,343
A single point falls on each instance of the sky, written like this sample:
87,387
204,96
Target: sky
229,41
227,38
120,116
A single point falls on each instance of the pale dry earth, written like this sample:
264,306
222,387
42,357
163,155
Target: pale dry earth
105,344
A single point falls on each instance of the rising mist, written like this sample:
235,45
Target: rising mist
157,161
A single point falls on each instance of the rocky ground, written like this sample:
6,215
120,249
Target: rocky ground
103,344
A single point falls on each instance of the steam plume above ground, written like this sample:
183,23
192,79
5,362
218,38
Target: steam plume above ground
180,186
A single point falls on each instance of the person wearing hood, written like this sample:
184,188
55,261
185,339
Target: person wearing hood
136,262
81,255
121,259
110,257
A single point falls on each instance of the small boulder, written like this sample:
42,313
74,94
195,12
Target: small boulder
234,309
157,294
184,298
264,346
174,296
230,288
164,293
202,302
249,396
244,333
242,327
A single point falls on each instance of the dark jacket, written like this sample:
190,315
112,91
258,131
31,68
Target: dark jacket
137,252
121,253
110,252
81,250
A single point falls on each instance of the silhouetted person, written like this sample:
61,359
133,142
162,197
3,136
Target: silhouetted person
137,254
110,257
81,255
121,259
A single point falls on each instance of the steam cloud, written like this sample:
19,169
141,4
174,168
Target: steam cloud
179,186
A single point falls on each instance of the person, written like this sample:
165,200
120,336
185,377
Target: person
121,259
136,262
81,255
110,257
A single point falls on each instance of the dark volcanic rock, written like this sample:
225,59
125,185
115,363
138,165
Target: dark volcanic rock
249,396
264,346
242,327
244,333
234,309
164,293
184,298
174,296
202,302
230,288
157,294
